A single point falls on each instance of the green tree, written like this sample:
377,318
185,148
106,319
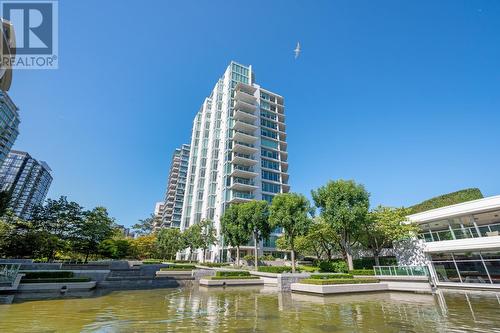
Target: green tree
192,239
144,246
254,216
344,205
291,212
320,241
88,233
234,230
56,220
145,226
208,236
18,238
169,242
5,197
384,227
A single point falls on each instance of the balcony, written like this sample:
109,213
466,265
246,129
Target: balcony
478,231
243,171
243,159
244,106
244,137
245,97
242,184
249,117
244,126
241,197
244,148
245,88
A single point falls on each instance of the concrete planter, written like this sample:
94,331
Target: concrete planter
338,288
56,286
230,282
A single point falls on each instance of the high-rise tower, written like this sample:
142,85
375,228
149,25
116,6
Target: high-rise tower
238,151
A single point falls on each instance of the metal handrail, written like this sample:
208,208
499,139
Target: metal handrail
401,270
8,272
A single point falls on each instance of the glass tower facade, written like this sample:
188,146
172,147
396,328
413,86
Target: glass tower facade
171,210
9,125
28,181
238,151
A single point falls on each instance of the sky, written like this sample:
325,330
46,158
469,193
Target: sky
401,96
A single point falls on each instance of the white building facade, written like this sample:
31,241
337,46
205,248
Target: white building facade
461,243
238,152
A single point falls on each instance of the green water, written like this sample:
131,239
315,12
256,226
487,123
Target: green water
194,309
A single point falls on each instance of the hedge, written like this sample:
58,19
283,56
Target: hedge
176,269
56,280
232,273
215,264
48,275
331,276
151,262
234,277
275,269
338,266
362,272
447,200
190,266
337,281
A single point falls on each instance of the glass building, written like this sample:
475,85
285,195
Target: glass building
28,181
170,212
9,125
462,243
238,153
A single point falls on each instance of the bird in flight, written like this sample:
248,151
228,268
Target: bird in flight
297,50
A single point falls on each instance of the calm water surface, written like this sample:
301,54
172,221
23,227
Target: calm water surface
249,309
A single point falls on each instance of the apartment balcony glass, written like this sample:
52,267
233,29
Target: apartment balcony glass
243,159
243,171
451,233
242,184
244,116
244,126
244,137
245,97
238,196
243,147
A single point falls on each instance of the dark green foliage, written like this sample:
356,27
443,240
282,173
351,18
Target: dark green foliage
48,275
215,264
338,281
368,263
331,276
4,201
275,269
231,273
177,268
151,262
56,280
362,272
234,277
447,199
337,266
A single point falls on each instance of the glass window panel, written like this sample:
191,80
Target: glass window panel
446,272
466,256
472,272
494,270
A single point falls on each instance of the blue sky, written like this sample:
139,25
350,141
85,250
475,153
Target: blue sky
402,96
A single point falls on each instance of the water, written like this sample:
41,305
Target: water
250,309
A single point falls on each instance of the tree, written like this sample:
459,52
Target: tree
320,240
95,227
18,238
5,197
384,227
145,226
344,205
208,236
57,220
192,238
254,216
234,230
169,242
291,212
144,246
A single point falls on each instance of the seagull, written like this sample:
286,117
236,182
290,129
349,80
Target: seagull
297,50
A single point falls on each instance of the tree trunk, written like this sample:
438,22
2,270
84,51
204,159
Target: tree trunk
86,256
255,238
238,256
376,257
349,259
293,260
204,254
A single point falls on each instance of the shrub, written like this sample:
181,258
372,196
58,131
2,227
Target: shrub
48,275
447,199
151,262
337,281
56,280
266,257
179,267
275,269
309,269
331,276
249,257
176,269
368,263
232,273
184,262
215,264
333,266
234,277
362,272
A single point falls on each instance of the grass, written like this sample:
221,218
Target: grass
366,272
275,269
323,282
308,269
177,268
47,275
215,264
56,280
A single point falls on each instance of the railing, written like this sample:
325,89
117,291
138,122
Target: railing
8,272
244,144
401,270
243,168
461,233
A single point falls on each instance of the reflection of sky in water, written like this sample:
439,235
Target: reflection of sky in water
255,310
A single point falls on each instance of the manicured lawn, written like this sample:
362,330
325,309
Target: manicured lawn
337,281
